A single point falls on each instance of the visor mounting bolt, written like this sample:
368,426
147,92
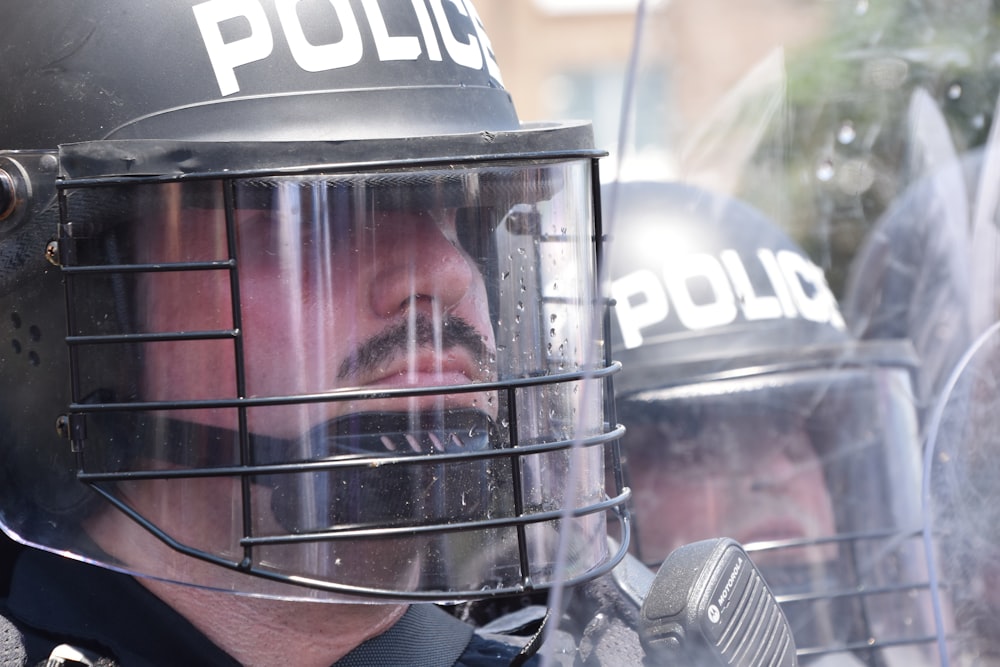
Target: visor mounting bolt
62,426
52,253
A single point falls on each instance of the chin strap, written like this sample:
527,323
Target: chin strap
535,643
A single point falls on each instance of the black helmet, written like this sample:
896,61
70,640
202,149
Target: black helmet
227,70
288,291
752,413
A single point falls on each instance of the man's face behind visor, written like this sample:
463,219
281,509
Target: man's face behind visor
337,331
336,294
742,469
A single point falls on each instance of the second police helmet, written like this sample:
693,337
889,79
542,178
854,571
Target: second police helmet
751,413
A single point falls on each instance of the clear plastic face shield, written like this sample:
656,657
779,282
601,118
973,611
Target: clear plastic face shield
961,498
814,471
375,384
961,417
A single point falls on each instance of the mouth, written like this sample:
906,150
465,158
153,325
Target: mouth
411,352
429,368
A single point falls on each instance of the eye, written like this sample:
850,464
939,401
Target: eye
684,453
799,449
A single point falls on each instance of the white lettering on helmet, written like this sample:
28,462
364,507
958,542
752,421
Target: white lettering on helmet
322,57
399,47
639,302
466,54
427,29
799,288
755,307
484,41
695,316
226,57
817,304
469,48
781,291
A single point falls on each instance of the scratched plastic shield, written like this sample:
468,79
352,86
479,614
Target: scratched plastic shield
962,497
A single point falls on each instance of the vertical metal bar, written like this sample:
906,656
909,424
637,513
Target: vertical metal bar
604,306
246,455
518,488
65,252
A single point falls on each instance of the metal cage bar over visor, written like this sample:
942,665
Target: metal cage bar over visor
366,379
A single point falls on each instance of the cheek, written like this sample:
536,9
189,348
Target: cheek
187,302
674,510
475,309
809,491
297,331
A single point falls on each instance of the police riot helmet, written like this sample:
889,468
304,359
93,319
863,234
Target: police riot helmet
753,414
294,305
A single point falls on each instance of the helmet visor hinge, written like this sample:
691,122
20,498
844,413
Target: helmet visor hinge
27,187
73,428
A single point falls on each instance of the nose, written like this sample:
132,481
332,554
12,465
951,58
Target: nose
773,472
420,267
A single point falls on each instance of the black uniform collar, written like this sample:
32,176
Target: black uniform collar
56,600
425,636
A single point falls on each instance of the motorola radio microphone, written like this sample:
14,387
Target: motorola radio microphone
708,605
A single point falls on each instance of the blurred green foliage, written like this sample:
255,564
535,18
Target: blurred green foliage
842,153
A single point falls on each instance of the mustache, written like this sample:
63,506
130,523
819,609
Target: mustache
397,339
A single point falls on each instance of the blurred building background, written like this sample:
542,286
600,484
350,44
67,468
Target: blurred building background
801,107
564,59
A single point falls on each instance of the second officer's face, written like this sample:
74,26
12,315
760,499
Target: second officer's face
752,477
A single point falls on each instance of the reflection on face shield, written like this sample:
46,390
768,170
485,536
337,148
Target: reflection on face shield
310,372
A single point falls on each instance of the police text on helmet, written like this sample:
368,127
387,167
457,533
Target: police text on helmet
466,45
798,285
